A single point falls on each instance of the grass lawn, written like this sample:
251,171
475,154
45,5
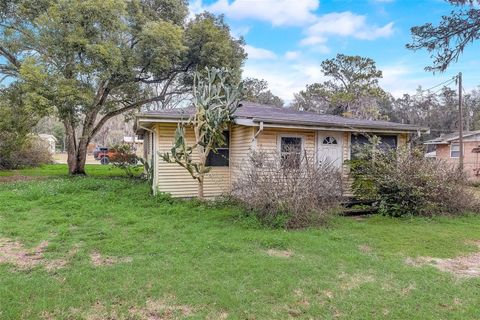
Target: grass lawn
61,170
101,247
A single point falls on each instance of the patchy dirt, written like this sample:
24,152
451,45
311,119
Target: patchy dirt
18,178
14,252
406,291
463,266
354,281
161,310
365,248
98,260
280,253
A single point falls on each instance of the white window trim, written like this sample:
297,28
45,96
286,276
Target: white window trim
456,143
286,135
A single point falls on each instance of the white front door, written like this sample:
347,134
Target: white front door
330,147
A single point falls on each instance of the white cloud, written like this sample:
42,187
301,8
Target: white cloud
292,55
259,53
344,24
285,79
275,12
242,31
313,40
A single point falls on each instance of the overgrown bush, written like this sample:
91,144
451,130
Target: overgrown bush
31,153
124,157
291,192
404,182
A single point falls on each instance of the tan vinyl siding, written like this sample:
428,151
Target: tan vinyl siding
241,139
267,140
174,179
402,139
346,178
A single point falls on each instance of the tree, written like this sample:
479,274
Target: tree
447,40
256,90
435,110
19,112
215,101
353,89
93,60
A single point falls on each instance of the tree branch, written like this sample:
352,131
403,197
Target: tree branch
126,108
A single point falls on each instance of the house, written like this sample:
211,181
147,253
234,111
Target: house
447,147
49,141
136,143
258,127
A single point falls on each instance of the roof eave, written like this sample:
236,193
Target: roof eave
346,127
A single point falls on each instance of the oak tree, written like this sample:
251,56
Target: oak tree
447,40
91,60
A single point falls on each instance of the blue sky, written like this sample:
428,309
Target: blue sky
287,39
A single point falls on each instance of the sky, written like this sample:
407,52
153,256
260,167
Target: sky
286,40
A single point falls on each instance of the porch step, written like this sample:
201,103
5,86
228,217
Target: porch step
356,207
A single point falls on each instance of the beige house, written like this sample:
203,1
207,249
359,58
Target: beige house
49,141
447,148
259,127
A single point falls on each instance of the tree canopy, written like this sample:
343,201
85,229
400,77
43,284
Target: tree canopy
447,40
352,89
92,60
256,90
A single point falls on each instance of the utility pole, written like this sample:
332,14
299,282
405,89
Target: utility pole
460,121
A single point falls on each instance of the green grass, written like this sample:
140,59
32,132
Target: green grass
209,258
61,170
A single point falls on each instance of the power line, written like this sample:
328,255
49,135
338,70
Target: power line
444,83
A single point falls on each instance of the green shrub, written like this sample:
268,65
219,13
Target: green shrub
124,157
404,182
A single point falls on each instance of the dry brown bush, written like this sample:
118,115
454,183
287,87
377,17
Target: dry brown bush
32,153
290,192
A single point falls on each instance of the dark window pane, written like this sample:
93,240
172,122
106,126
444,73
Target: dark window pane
220,159
387,142
291,149
291,144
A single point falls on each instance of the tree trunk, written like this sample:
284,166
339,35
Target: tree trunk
200,189
76,152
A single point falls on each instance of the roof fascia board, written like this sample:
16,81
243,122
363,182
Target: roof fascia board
340,129
273,123
282,124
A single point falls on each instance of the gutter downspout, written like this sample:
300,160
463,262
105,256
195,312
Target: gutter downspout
254,140
154,158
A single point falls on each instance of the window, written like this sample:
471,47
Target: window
221,158
387,142
454,150
330,140
291,151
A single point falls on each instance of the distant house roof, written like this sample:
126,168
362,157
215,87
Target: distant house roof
447,138
45,136
252,114
128,139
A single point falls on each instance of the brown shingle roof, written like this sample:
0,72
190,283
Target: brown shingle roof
286,116
446,138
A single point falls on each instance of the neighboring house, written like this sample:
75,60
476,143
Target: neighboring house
49,141
258,127
447,147
136,143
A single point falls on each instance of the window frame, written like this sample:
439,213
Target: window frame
352,143
226,147
290,135
458,145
